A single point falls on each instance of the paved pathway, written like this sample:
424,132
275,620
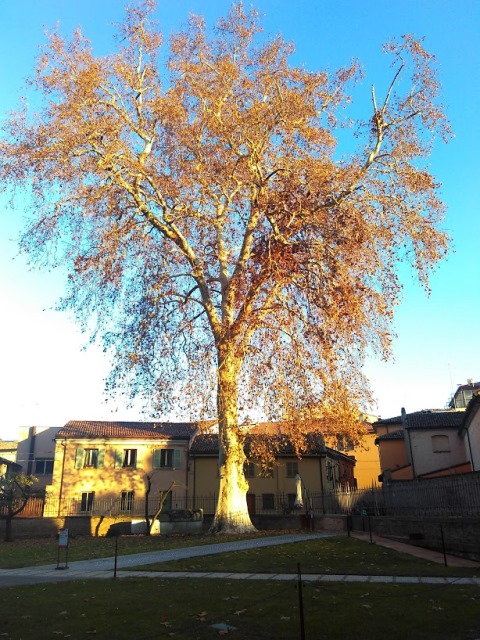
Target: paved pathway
104,567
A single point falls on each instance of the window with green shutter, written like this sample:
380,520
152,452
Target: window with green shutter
79,456
126,458
166,459
101,458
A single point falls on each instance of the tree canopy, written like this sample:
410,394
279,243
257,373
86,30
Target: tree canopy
215,238
15,491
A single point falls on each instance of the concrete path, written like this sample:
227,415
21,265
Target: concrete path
104,567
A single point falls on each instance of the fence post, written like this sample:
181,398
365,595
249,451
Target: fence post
443,546
300,603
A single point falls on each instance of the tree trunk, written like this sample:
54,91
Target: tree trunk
148,522
231,515
8,529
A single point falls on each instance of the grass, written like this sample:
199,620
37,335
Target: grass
147,609
26,553
337,555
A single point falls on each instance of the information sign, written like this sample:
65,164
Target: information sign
63,538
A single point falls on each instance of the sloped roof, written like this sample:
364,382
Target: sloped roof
77,429
428,419
207,444
8,445
10,464
394,435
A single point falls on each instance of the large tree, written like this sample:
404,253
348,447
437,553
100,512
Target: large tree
215,239
16,489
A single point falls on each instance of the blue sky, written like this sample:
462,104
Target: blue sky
45,376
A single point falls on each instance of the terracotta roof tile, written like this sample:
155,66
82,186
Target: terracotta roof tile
208,444
128,430
428,420
394,435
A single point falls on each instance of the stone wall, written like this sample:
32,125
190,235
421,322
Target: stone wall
458,536
49,527
102,526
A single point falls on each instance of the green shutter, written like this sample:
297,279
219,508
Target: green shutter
156,458
118,458
176,458
101,458
79,458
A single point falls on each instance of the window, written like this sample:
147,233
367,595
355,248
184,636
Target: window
249,470
332,472
129,458
292,469
90,458
43,467
440,444
266,470
88,498
268,501
345,444
166,459
126,500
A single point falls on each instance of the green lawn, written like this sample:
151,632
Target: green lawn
186,610
337,555
26,553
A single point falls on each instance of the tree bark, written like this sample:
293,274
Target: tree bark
8,529
231,515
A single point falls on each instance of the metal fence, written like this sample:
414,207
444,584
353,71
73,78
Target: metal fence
332,502
445,496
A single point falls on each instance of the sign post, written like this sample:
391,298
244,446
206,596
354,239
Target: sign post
62,544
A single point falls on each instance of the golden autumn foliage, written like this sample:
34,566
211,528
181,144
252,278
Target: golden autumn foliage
211,229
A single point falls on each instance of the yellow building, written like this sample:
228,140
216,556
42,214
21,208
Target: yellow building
367,467
107,467
274,489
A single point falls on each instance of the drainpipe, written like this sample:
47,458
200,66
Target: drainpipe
321,483
32,432
470,449
407,433
187,466
64,445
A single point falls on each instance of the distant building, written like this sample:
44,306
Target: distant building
8,450
36,453
463,395
111,462
320,469
421,444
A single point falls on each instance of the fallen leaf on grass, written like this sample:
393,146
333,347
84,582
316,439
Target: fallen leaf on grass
237,613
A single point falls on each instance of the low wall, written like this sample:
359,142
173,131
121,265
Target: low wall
102,526
49,527
459,536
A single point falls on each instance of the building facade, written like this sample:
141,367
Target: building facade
101,466
273,487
